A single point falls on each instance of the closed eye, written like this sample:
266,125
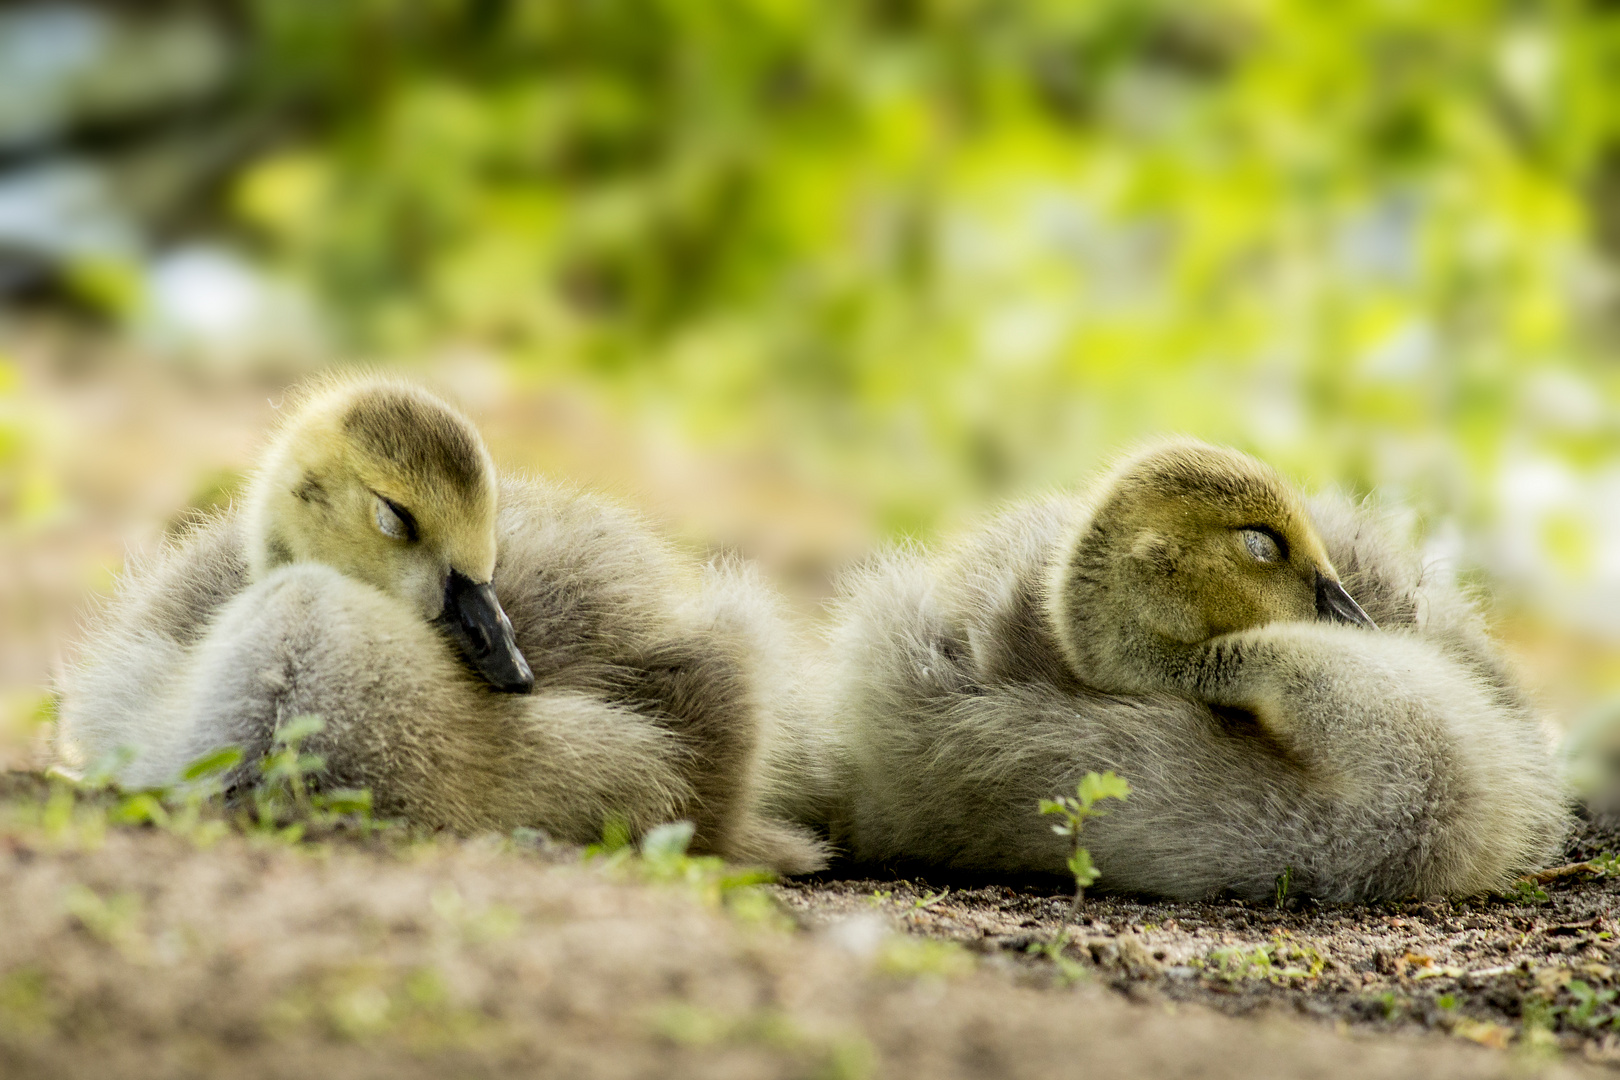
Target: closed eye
394,520
1265,545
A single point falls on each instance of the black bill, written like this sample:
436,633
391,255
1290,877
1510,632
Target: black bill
1332,602
474,620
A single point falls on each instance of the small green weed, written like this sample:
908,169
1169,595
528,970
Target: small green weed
1068,971
102,772
1526,891
1590,1007
662,857
283,805
288,800
1607,864
281,800
1278,961
1075,809
616,840
1285,881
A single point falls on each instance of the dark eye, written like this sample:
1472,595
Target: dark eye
1262,545
394,520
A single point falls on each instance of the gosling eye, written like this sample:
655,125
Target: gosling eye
394,520
1262,545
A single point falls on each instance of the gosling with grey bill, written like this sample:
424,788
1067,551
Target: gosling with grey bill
1186,625
485,653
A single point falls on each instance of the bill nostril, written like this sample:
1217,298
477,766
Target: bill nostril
481,630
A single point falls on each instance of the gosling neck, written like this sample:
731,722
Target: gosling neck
1082,589
267,546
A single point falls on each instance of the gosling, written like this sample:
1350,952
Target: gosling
1184,625
485,653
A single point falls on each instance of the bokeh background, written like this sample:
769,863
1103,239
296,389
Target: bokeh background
800,276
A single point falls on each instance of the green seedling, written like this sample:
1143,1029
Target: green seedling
287,769
288,800
1592,1007
1526,891
1285,881
202,784
616,840
1067,971
661,856
1606,864
1277,961
103,772
1075,809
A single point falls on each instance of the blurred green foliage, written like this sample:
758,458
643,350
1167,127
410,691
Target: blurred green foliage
29,494
942,249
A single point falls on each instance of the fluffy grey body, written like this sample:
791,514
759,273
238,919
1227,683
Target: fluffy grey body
648,700
1371,763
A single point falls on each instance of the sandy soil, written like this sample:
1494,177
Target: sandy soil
132,951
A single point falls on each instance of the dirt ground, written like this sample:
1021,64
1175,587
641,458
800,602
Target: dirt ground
145,952
1524,972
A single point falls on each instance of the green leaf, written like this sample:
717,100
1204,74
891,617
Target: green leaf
105,769
298,729
1526,891
213,763
1081,866
615,834
743,879
667,841
346,801
1095,787
141,809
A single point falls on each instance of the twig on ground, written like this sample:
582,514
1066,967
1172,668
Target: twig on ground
1595,867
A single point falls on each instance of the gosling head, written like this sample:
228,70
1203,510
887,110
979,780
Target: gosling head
1185,542
388,484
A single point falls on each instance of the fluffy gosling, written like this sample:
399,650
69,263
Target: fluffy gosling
1185,625
486,653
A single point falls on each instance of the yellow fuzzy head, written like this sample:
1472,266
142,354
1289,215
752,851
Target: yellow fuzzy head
1185,541
382,481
